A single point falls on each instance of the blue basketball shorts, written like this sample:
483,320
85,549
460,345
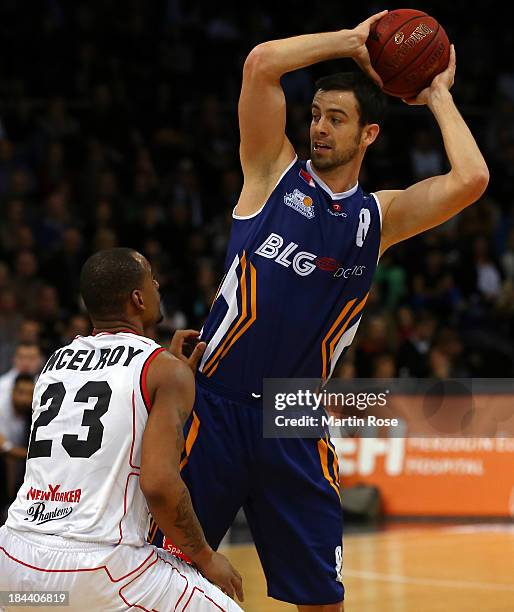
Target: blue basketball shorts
288,488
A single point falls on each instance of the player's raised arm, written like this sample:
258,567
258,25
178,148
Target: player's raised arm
434,200
265,150
171,387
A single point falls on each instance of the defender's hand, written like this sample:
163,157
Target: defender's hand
443,81
182,345
219,571
360,54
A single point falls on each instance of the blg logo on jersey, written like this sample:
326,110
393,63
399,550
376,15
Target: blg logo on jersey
300,202
304,262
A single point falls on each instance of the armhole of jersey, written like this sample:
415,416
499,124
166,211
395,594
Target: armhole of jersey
245,217
379,208
142,379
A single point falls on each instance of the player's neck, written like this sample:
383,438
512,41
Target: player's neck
113,327
338,179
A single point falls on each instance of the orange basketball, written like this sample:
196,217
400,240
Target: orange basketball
408,48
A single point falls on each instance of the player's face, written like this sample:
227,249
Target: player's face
335,130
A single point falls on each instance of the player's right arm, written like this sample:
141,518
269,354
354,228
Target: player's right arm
265,150
170,384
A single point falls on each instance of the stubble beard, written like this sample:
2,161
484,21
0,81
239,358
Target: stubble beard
340,159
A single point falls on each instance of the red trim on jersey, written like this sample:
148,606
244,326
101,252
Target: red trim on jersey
114,580
129,583
84,569
144,372
206,597
136,467
125,505
194,589
181,575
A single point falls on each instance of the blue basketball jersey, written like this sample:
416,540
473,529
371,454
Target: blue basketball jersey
297,276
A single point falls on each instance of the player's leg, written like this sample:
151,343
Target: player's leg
171,584
107,578
295,515
339,607
213,466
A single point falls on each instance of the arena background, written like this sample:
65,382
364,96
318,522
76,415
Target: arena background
118,127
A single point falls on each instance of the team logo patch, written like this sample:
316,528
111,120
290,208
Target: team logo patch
336,210
300,202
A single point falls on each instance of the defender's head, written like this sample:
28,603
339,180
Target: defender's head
346,111
118,285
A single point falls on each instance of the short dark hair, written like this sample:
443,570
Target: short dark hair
107,279
370,98
23,378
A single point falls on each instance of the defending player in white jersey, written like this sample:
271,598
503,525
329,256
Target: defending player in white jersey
105,409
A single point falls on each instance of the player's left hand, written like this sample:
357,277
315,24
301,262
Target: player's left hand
360,52
185,346
444,80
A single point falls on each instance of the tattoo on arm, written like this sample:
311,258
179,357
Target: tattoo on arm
187,523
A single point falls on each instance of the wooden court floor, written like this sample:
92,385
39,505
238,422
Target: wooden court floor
439,569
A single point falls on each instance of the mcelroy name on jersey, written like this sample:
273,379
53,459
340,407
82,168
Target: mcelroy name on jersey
95,359
304,263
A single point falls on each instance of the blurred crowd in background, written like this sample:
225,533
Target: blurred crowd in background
118,127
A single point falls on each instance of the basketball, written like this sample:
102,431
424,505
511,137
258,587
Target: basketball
407,48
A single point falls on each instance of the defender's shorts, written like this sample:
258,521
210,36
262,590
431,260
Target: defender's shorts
288,488
105,578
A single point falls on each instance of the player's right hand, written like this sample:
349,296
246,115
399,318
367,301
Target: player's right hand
444,80
218,569
186,347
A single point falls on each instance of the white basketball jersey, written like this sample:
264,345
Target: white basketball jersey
90,409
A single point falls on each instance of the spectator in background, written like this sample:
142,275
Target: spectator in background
413,352
373,342
56,219
13,449
27,360
425,156
434,286
29,332
384,366
10,320
26,282
507,259
77,325
480,274
62,268
14,216
48,312
391,278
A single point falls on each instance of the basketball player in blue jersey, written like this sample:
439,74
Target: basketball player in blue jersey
304,246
